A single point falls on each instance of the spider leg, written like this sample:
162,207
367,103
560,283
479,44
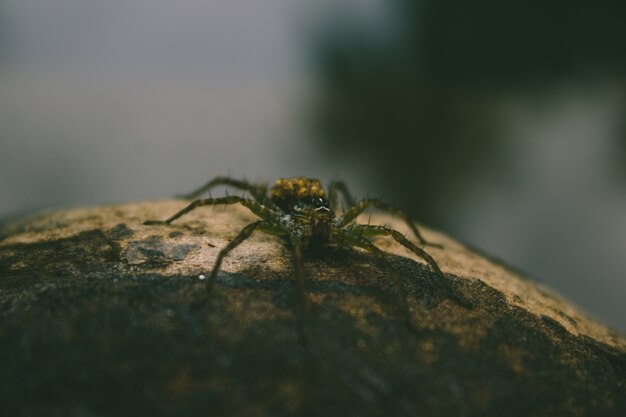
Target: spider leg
367,230
302,305
254,206
339,187
245,233
363,205
303,302
361,241
258,192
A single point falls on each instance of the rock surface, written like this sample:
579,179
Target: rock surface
101,315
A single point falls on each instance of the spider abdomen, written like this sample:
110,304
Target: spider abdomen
288,192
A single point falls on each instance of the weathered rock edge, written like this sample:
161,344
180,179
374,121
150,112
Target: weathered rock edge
101,315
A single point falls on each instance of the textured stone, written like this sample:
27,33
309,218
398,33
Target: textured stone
102,316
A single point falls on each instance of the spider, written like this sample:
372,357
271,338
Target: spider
299,210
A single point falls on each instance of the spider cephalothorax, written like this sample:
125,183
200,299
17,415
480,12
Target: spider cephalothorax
305,207
301,211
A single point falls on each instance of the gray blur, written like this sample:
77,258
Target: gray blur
107,102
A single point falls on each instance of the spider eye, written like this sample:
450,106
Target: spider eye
317,202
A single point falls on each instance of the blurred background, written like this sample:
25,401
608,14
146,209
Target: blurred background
501,123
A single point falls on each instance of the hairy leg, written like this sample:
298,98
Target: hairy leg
256,191
350,215
367,230
254,206
245,233
339,187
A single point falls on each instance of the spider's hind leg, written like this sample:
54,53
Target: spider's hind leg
367,230
258,192
363,205
254,206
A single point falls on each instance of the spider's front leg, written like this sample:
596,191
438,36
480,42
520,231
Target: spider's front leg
257,208
258,192
370,231
350,215
254,206
245,233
